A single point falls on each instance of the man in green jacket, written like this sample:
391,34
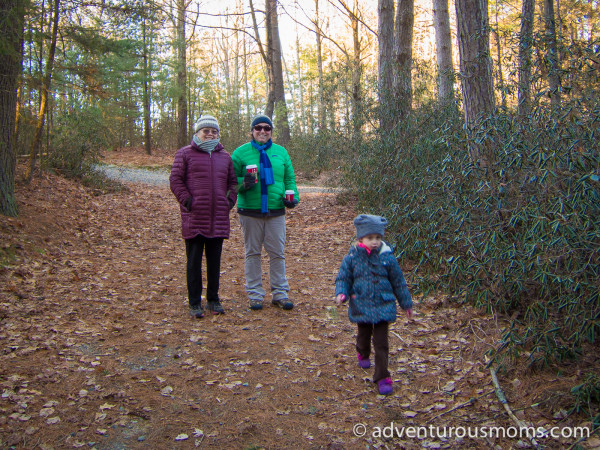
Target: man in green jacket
264,171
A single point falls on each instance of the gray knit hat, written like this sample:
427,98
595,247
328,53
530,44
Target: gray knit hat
367,224
261,118
206,121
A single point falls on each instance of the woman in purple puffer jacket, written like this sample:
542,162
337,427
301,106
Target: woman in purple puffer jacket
205,185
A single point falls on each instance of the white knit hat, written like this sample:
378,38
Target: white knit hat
206,121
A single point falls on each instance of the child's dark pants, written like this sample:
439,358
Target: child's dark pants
381,348
194,249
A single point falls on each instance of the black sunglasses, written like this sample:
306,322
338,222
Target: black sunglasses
263,127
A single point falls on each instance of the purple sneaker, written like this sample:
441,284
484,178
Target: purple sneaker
363,363
385,386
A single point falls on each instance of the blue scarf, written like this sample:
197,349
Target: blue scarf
265,172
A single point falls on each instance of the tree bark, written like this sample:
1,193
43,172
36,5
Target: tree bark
357,114
11,33
280,107
37,137
182,112
552,55
302,124
385,37
525,46
321,103
443,40
146,94
501,86
405,18
475,66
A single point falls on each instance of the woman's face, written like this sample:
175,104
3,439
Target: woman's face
261,133
207,134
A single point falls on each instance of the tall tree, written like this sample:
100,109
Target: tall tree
525,47
11,32
443,41
498,42
354,60
319,37
552,55
357,95
45,88
181,43
276,67
475,65
405,18
385,37
146,86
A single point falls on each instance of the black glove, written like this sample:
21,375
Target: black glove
231,202
249,181
289,204
188,203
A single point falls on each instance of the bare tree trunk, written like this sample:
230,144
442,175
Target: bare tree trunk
301,122
443,40
246,85
385,36
182,112
37,137
11,30
552,55
500,69
280,107
267,56
146,95
475,66
405,18
321,103
525,45
357,112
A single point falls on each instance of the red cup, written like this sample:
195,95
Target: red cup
289,195
252,169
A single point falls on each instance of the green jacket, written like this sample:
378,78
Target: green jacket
283,174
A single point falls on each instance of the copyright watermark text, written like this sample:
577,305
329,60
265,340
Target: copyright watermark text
429,432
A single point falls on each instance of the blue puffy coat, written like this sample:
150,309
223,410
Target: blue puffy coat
372,284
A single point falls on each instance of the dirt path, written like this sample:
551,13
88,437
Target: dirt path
98,349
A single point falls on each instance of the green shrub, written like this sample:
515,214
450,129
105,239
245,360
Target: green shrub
312,155
586,398
518,234
76,142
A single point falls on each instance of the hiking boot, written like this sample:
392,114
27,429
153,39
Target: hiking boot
215,307
284,303
256,304
197,312
385,386
363,363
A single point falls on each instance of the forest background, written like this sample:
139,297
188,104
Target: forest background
474,129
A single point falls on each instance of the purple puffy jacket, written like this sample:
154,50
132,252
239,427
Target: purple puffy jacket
211,182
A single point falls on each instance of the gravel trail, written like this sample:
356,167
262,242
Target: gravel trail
161,177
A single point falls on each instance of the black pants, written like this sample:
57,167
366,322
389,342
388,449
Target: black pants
379,333
194,248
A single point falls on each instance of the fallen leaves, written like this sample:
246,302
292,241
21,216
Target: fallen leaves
98,344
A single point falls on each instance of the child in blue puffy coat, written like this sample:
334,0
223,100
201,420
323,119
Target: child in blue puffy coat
371,280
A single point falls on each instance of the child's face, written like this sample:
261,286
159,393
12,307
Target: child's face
371,241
